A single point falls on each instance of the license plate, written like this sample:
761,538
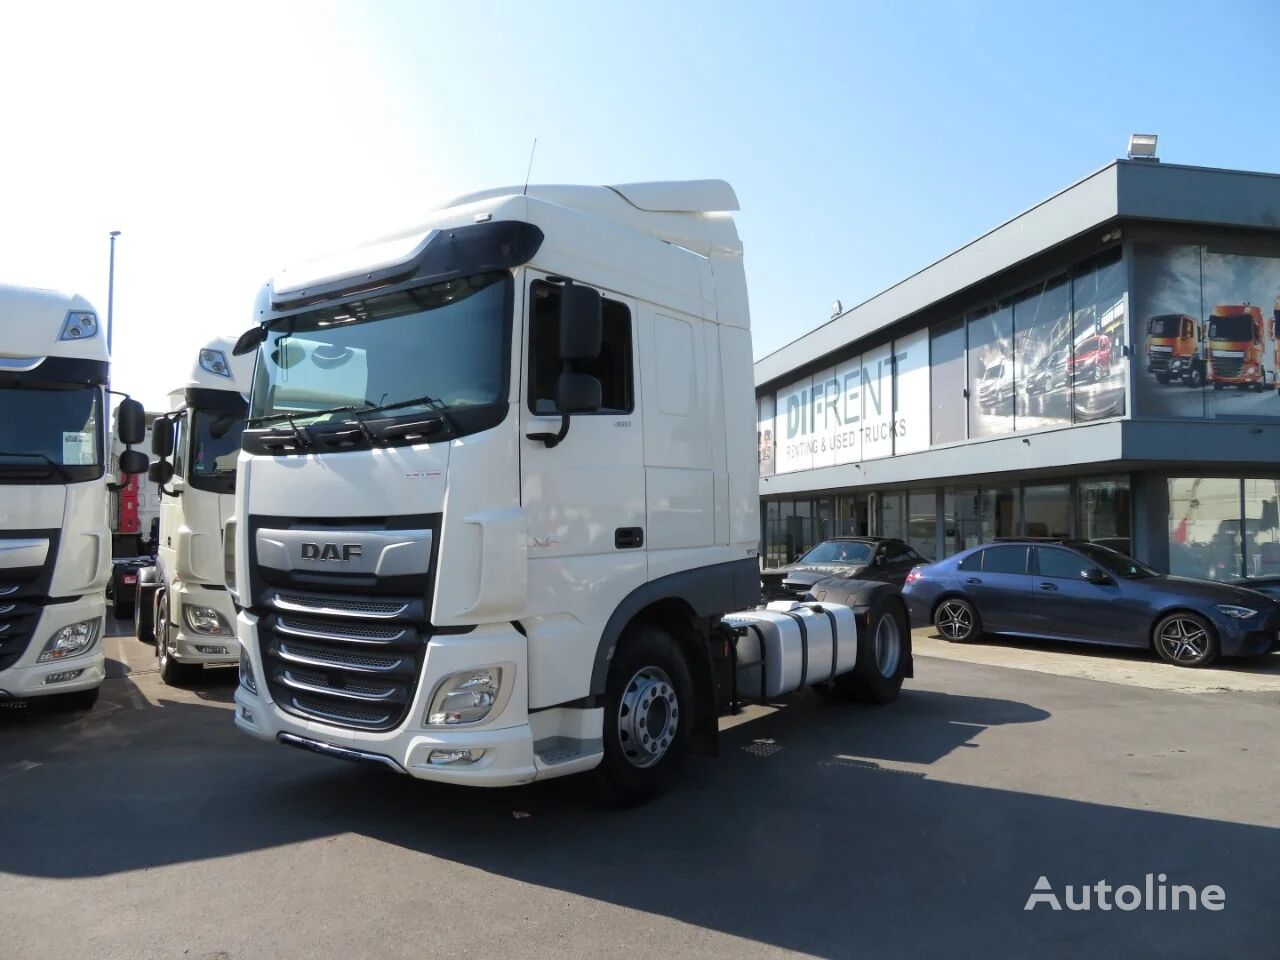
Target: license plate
130,579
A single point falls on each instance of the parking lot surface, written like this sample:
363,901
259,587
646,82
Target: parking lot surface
150,828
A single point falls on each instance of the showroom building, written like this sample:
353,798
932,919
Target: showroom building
1104,366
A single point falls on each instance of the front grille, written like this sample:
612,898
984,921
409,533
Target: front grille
340,669
17,623
1158,362
1228,366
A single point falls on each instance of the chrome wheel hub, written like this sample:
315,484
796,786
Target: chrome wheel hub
1184,640
888,646
648,717
954,620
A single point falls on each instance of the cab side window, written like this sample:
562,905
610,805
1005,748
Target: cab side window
179,446
613,368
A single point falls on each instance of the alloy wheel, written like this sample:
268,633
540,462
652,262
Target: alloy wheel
1184,640
954,620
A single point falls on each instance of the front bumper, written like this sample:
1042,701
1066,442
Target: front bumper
509,737
1247,638
27,677
220,650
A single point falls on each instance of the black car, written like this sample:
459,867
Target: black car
1077,590
851,558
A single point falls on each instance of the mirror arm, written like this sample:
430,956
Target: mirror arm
553,439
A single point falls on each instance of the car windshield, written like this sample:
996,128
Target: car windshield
50,433
839,551
215,442
448,341
1115,563
1163,326
1237,326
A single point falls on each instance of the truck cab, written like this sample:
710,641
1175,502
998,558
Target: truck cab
55,542
1236,347
1174,349
183,605
499,489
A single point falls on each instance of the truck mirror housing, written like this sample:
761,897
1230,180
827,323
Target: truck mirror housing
162,437
131,422
581,323
248,341
577,393
133,462
159,473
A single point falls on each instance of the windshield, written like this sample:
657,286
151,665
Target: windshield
1115,563
446,340
838,551
994,373
52,435
1163,326
1238,326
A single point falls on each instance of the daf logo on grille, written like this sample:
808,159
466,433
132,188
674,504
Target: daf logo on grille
331,551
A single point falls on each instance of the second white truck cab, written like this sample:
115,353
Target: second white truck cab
183,606
55,543
499,491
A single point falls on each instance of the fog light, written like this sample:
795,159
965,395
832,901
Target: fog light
211,651
247,716
465,697
246,673
71,641
205,620
62,676
441,758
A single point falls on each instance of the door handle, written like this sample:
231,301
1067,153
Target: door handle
974,580
628,538
1048,586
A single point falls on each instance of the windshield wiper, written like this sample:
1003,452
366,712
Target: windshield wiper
55,466
432,403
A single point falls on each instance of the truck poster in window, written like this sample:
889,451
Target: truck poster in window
1207,319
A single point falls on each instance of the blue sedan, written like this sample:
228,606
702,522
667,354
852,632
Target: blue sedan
1076,590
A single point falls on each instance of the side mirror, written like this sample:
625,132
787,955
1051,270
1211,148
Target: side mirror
133,462
222,426
581,323
131,422
249,341
577,393
160,472
162,437
1096,576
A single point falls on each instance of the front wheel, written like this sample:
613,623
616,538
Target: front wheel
1185,640
648,716
1194,377
884,650
957,620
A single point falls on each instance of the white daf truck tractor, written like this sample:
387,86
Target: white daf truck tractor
498,498
183,606
55,542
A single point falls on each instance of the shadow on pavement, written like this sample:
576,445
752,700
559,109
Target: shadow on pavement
795,837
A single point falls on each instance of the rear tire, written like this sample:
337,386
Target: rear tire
884,650
957,620
1185,640
648,716
173,673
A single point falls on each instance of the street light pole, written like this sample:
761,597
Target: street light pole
111,288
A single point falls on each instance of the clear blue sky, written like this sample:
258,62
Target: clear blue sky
864,140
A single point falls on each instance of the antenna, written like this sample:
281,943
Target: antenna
532,151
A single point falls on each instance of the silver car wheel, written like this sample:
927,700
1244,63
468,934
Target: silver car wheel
1184,640
954,620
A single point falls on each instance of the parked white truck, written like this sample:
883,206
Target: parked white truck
498,492
183,606
55,543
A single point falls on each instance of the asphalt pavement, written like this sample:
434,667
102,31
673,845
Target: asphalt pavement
151,828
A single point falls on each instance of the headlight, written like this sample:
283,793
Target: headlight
465,697
215,361
1240,613
205,620
246,672
71,641
79,326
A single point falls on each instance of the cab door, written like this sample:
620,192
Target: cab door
171,505
584,497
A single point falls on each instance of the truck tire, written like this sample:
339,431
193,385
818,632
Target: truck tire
144,614
648,716
884,650
80,700
1194,377
173,673
122,605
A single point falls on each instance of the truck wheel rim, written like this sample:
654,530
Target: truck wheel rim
1184,640
648,717
888,646
954,620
